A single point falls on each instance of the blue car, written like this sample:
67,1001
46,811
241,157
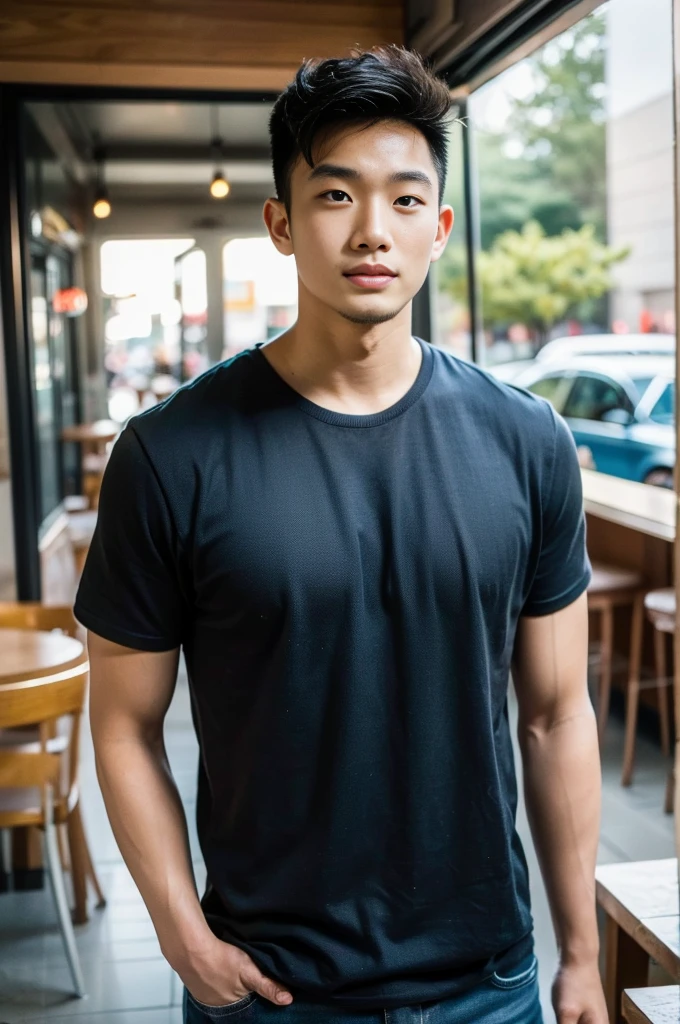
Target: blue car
622,408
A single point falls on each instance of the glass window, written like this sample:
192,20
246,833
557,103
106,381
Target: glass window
44,387
591,397
664,409
641,384
575,207
451,316
554,388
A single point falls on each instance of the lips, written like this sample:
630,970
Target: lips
371,275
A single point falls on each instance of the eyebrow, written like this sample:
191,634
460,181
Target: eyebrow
349,174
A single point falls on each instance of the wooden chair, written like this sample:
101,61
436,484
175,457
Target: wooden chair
38,782
660,608
57,564
610,588
33,615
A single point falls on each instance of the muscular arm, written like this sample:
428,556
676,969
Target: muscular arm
130,692
562,783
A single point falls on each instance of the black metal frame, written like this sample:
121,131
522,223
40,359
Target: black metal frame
472,233
507,35
421,311
19,371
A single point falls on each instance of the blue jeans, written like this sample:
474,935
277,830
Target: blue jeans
500,999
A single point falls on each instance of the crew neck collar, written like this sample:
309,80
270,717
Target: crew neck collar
342,419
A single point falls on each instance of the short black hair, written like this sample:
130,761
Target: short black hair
384,83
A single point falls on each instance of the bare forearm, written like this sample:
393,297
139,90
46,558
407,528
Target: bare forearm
148,821
563,797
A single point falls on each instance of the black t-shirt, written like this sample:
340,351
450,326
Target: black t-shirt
346,590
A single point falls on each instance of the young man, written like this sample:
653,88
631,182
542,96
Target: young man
352,535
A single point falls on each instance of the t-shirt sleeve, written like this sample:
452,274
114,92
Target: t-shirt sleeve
130,589
563,571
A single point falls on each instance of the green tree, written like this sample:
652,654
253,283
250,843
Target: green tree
534,279
561,125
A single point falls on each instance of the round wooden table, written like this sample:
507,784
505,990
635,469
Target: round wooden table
98,433
27,654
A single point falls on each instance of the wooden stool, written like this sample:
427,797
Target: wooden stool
657,1005
612,587
660,608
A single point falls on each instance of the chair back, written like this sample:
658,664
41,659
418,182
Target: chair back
22,770
42,704
36,702
34,615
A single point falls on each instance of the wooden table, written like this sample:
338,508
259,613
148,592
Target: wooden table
96,435
658,1005
33,654
633,506
630,525
27,654
640,900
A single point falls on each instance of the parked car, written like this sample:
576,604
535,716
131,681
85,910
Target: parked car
569,347
622,408
608,345
510,371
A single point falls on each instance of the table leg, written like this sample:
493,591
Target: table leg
27,858
626,966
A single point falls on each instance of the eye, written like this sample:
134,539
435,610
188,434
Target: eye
406,201
336,195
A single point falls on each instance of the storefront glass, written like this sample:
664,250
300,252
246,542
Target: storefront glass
574,159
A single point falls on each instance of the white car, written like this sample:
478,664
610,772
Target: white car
561,349
608,345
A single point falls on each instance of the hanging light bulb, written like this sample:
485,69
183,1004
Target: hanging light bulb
101,207
219,186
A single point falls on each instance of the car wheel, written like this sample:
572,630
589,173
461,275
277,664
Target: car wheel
660,478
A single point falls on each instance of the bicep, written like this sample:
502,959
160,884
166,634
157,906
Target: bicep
549,663
130,690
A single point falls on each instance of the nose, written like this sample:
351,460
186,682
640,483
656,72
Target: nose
370,231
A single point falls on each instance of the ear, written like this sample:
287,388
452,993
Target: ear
443,231
278,225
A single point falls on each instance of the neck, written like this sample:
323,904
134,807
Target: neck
345,366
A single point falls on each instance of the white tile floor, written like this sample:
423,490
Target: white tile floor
127,979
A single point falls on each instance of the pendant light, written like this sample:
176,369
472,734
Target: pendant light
101,207
219,186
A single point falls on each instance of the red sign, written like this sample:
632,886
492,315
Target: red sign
69,301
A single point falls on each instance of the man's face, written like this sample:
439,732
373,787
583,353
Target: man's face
370,202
